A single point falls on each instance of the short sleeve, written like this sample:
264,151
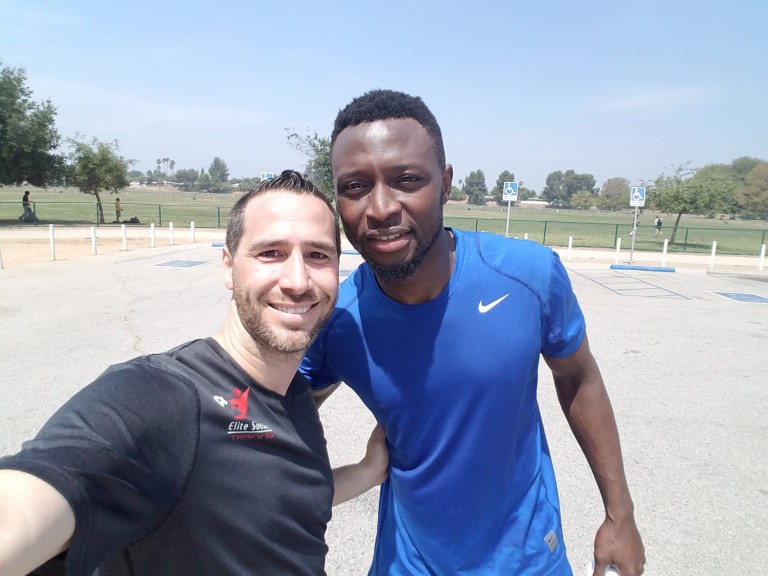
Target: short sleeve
564,326
120,452
314,366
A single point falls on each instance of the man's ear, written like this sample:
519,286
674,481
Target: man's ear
228,262
447,183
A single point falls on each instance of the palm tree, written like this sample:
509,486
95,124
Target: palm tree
172,165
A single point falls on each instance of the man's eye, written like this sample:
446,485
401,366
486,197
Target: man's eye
318,256
350,188
408,179
268,254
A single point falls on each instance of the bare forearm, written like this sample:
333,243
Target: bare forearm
590,416
586,405
36,522
354,479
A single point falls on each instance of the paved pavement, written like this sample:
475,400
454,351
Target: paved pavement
686,368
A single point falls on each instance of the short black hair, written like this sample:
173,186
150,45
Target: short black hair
387,105
288,181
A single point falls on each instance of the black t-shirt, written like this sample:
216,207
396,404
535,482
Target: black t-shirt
180,463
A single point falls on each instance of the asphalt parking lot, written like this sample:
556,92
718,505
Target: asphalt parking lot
685,360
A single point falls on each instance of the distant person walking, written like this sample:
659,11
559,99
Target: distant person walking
635,222
28,215
118,209
658,223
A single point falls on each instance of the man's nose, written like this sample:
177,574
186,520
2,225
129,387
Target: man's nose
382,203
295,275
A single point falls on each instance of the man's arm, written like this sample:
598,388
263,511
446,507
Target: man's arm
585,403
352,480
321,394
36,522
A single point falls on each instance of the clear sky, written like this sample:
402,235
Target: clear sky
610,87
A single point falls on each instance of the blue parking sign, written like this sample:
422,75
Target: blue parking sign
510,192
637,196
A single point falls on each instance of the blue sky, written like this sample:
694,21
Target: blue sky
612,88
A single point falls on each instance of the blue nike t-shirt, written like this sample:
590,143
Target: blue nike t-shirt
471,487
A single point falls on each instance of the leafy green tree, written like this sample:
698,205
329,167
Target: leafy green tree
28,136
708,190
744,165
554,190
614,194
753,196
573,183
560,187
219,174
96,167
136,176
498,190
524,193
186,177
318,152
457,194
475,188
204,181
584,200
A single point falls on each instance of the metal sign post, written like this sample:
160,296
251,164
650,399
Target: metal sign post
510,195
636,199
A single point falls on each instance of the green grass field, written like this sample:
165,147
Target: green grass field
589,229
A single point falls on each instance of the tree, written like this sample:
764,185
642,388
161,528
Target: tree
456,194
753,196
573,183
614,194
28,136
708,190
187,178
204,181
95,167
524,193
554,191
218,173
744,165
137,176
318,152
475,188
172,165
583,199
560,187
498,191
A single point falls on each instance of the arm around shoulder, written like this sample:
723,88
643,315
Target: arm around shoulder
36,522
354,479
322,394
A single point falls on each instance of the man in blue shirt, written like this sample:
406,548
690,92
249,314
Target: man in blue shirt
471,488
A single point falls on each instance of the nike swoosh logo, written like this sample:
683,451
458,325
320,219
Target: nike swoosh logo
483,308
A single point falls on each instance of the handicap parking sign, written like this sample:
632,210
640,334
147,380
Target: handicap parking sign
510,192
637,196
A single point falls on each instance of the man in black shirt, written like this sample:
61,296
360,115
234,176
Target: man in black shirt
209,458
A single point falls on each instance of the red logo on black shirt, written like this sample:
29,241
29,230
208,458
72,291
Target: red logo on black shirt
239,428
240,403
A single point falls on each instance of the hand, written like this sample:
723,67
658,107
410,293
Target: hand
376,459
618,543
